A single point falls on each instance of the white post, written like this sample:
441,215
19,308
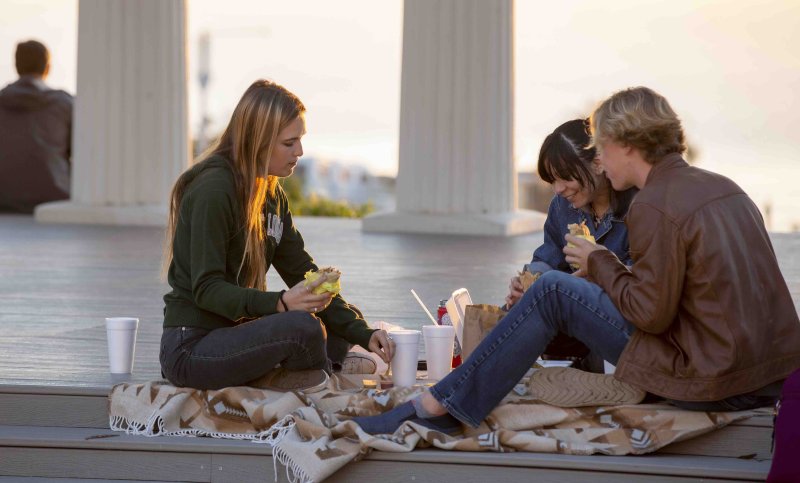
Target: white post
457,172
130,135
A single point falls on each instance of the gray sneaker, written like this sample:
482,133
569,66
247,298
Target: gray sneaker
358,363
284,380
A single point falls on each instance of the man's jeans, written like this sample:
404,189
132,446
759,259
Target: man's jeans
234,356
557,302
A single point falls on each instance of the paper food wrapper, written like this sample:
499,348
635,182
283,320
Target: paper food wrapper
331,283
527,278
580,231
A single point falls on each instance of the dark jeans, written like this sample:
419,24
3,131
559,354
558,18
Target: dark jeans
234,356
557,302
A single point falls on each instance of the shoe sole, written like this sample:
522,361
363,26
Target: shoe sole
361,372
363,360
571,388
315,387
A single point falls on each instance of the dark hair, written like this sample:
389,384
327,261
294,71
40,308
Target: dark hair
567,154
564,155
32,58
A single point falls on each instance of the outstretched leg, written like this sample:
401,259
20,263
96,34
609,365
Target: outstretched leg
556,302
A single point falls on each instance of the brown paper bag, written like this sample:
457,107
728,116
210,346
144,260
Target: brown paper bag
527,278
479,320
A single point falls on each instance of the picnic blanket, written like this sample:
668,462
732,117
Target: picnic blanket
311,434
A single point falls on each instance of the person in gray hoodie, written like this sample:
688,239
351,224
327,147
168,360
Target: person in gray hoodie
35,135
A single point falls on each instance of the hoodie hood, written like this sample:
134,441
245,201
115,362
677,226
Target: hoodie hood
27,94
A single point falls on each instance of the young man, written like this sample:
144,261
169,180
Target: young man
703,317
35,135
714,317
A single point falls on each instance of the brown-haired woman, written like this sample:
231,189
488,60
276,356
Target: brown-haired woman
229,222
583,195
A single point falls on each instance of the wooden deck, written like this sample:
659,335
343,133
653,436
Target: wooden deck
57,283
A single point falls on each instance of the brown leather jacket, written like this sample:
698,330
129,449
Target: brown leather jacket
714,315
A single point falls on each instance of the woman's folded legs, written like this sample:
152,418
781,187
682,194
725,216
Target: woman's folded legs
234,356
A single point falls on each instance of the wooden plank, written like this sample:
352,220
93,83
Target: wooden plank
37,479
54,388
50,410
105,439
656,464
730,442
236,468
226,468
451,473
87,439
101,464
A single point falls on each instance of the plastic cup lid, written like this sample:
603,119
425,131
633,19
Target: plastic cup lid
404,335
121,323
438,330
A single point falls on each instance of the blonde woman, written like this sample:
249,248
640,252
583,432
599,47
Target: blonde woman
229,223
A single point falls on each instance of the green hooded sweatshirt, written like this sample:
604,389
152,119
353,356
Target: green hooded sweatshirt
207,250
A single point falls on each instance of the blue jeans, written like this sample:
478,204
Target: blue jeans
234,356
557,302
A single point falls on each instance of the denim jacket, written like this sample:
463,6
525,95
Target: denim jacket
611,233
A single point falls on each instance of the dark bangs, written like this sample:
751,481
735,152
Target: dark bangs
565,155
561,158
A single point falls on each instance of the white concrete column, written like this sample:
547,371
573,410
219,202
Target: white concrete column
130,131
457,172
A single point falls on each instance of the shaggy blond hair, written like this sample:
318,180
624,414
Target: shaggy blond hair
640,118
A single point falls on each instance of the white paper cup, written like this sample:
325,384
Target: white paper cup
121,334
406,355
439,349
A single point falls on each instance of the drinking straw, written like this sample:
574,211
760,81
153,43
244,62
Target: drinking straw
423,306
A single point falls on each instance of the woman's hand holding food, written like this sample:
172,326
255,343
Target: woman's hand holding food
302,297
515,291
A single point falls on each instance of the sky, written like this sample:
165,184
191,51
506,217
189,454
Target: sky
730,68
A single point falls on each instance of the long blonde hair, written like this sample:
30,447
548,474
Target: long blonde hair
247,143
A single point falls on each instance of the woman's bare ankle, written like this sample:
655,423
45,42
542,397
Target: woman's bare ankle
431,405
